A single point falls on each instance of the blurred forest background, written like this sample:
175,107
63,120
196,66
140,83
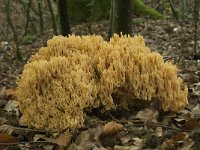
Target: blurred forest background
169,26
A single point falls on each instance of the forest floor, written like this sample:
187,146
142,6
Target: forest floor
142,128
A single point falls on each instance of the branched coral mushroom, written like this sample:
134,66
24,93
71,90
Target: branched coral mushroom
76,73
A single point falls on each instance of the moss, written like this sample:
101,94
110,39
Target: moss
80,10
141,9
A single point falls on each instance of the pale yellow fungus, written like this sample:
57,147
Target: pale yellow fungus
76,73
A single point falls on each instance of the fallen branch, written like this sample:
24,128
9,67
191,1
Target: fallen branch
30,142
150,124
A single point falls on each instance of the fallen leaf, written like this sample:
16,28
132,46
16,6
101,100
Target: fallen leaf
48,147
61,139
191,124
167,145
101,148
195,88
195,136
97,132
10,92
159,132
195,113
2,92
132,147
117,147
2,121
138,142
83,137
125,139
7,129
96,148
187,145
178,121
190,77
38,137
6,138
180,136
112,128
148,114
196,146
12,106
152,141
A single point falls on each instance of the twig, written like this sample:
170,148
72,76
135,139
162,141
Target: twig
30,142
92,16
196,17
27,17
151,124
175,14
30,130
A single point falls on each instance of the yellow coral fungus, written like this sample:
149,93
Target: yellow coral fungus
75,73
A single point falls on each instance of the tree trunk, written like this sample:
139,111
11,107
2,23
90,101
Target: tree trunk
64,21
121,17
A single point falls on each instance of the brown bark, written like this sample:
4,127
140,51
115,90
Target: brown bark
64,21
121,17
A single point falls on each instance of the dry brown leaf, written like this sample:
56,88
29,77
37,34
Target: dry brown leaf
83,137
148,114
190,77
125,139
101,148
7,129
187,145
180,136
2,91
196,146
37,137
195,88
2,121
192,124
121,147
11,106
10,92
168,145
195,113
132,147
138,142
159,132
6,138
61,139
112,128
48,147
179,121
97,132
